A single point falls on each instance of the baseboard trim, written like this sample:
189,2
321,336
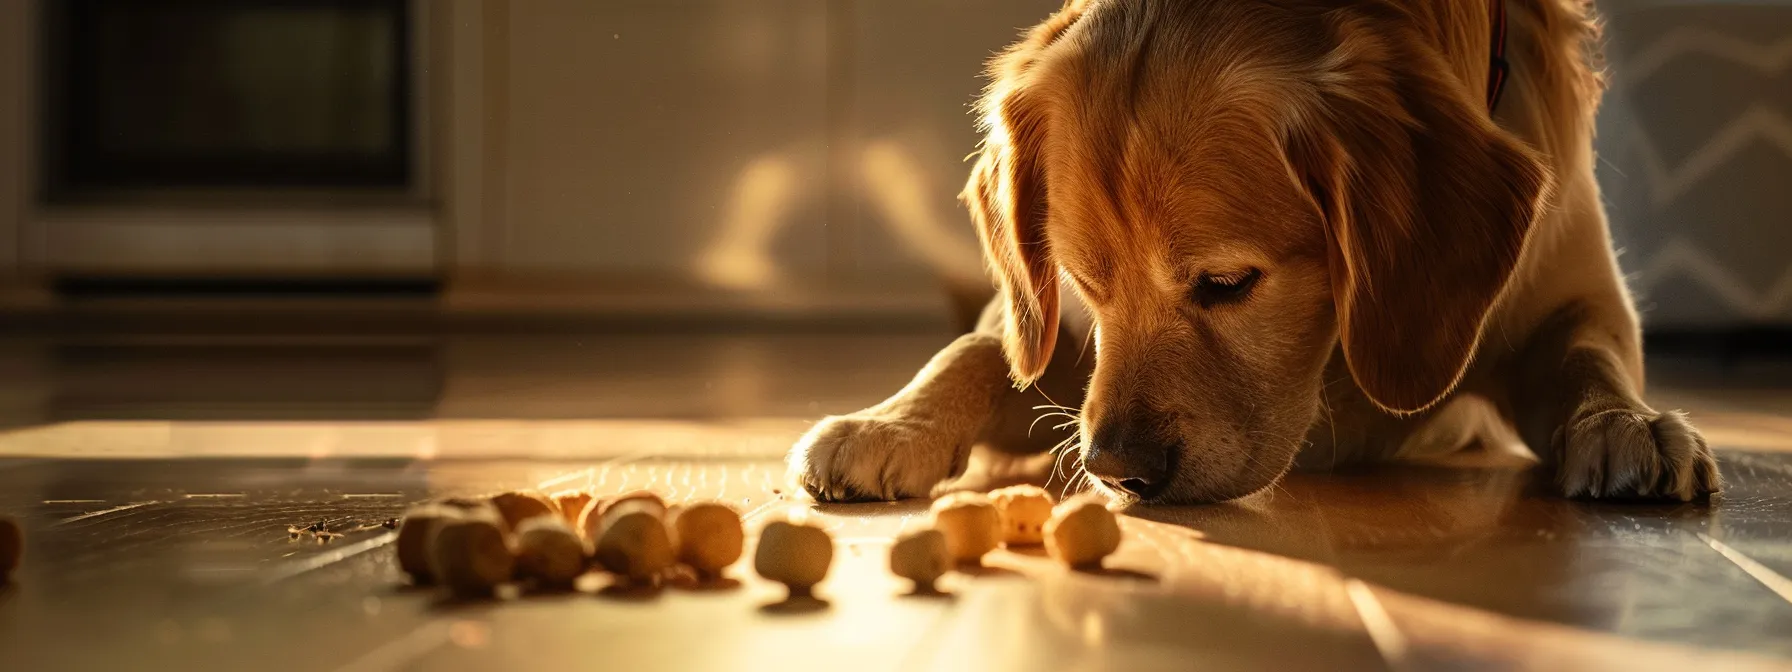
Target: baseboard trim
1728,342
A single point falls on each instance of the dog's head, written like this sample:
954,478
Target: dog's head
1237,190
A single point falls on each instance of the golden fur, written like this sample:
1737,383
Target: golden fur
1291,225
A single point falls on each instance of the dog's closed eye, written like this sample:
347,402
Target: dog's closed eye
1216,289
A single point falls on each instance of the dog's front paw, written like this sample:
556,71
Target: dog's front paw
1626,453
866,457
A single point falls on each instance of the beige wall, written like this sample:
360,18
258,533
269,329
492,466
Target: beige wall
629,122
644,138
748,144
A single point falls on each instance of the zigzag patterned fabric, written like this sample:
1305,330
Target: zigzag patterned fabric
1695,146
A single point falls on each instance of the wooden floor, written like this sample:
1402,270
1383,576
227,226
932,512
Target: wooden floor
158,478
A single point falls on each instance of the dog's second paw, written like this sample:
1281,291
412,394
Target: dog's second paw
868,457
1626,453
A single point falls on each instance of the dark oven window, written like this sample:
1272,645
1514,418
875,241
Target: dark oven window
227,93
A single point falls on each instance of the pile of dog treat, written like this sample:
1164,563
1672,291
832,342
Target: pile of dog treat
475,545
965,526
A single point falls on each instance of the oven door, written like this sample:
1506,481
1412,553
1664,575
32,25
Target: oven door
232,138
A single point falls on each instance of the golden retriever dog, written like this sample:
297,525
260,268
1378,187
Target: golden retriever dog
1233,233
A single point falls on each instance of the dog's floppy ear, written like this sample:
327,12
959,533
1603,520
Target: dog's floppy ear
1007,198
1427,206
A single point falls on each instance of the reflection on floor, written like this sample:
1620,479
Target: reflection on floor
141,559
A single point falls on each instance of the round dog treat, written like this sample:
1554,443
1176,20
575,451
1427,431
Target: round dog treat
12,547
470,554
921,557
464,503
549,551
1023,510
1081,532
591,520
413,544
635,496
794,555
632,541
970,523
572,505
517,507
708,536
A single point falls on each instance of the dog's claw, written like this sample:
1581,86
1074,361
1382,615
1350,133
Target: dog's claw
1627,453
865,457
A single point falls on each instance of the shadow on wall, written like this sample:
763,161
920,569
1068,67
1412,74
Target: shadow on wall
762,204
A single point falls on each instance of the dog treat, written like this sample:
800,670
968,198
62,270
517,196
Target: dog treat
464,503
549,551
635,496
12,547
708,536
1081,532
632,541
921,557
1023,510
470,554
572,505
517,507
970,523
413,544
795,555
591,518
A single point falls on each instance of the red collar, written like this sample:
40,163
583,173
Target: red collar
1497,67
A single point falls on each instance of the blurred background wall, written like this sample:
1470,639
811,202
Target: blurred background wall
1696,159
795,156
784,154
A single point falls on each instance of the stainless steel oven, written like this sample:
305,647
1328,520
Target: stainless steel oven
766,155
231,138
162,95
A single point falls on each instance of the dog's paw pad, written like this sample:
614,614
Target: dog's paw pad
1626,453
864,457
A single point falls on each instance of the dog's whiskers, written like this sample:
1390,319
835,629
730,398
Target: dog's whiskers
1072,421
1076,473
1058,462
1079,480
1063,448
1086,479
1256,464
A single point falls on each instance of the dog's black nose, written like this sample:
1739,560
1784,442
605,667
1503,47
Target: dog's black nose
1130,457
